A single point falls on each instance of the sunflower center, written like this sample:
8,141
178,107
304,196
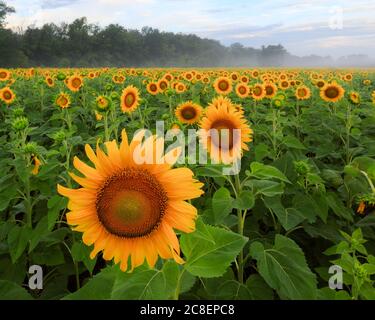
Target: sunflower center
76,83
332,92
63,101
302,92
3,75
224,136
269,90
7,95
257,91
223,85
153,87
131,203
129,99
188,113
242,90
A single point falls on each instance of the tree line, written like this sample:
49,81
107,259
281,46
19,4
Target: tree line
83,44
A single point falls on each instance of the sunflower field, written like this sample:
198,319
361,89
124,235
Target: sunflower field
296,220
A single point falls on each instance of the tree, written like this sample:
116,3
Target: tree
4,10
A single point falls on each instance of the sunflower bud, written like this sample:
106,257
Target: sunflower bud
59,136
17,112
20,123
30,148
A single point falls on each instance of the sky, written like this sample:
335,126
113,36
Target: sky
335,28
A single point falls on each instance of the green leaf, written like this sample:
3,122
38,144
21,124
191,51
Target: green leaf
210,258
245,200
17,241
267,188
49,256
284,268
262,171
261,151
335,203
210,170
258,288
142,283
293,142
221,204
12,291
55,205
288,217
38,233
81,253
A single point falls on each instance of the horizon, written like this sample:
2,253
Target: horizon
303,28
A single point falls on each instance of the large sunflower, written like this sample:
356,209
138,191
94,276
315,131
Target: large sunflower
223,85
332,92
7,95
129,99
188,112
129,210
221,121
74,83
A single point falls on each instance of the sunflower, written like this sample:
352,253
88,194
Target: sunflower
98,116
102,102
354,97
255,73
303,93
223,85
49,81
367,82
320,83
348,77
270,89
129,99
63,100
332,92
4,75
258,92
244,79
220,122
242,90
75,83
129,210
188,76
118,78
152,88
234,76
188,112
7,95
162,85
284,84
180,87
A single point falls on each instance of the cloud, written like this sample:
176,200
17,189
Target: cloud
48,4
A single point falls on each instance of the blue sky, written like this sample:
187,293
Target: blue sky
304,27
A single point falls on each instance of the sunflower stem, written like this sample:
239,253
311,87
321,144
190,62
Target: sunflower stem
106,133
240,225
178,286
